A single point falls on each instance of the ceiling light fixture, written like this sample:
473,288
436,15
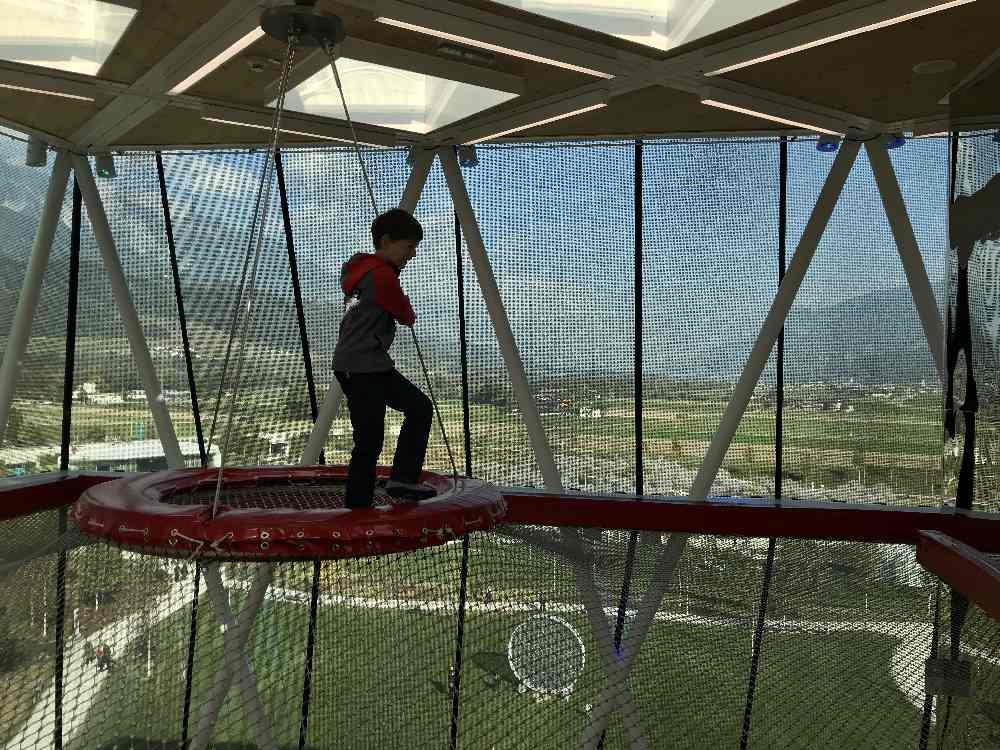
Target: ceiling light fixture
47,92
765,116
307,134
546,121
218,61
842,35
491,47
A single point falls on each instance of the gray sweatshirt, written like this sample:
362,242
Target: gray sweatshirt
373,303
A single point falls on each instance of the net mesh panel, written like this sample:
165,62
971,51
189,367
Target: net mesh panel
710,270
566,274
978,163
112,425
862,395
847,627
294,495
212,198
331,221
31,440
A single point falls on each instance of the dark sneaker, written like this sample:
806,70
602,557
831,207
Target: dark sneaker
408,491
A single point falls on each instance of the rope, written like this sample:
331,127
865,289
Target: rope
330,52
261,209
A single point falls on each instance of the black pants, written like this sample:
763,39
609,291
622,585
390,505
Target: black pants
368,394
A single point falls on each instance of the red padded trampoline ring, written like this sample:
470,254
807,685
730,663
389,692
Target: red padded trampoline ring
277,513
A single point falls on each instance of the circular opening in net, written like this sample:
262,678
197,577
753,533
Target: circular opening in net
546,654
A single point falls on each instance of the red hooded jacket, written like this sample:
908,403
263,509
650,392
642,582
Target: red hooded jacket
373,303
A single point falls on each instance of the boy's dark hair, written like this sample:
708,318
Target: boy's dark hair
398,224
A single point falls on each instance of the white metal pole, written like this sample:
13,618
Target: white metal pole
536,433
775,320
909,251
130,318
501,324
421,161
236,662
331,403
31,288
670,554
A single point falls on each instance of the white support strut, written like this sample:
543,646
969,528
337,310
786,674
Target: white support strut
129,316
501,323
334,395
236,662
31,288
670,554
542,450
909,251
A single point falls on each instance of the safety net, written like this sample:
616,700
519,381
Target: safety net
635,278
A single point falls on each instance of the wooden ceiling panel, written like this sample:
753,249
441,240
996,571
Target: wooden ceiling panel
236,82
159,26
50,114
175,126
872,74
753,25
979,101
648,112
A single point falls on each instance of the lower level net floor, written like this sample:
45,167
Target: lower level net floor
841,650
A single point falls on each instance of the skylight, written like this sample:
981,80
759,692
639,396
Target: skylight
71,35
378,95
662,24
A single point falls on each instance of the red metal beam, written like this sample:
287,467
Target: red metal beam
962,567
22,496
754,517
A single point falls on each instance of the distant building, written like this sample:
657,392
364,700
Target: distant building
133,455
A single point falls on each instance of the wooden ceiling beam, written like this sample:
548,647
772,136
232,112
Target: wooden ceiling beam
839,18
403,59
145,97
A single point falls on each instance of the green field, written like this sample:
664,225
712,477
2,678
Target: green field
379,681
891,447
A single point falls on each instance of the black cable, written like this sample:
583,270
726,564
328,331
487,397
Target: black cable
455,677
189,669
72,304
772,543
925,721
310,650
300,314
455,685
68,377
179,298
464,348
637,394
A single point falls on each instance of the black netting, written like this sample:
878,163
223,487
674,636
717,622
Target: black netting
31,440
710,270
862,394
846,628
331,220
566,275
978,163
112,425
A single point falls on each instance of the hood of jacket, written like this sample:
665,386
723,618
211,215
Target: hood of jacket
355,269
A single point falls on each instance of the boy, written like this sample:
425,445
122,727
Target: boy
373,303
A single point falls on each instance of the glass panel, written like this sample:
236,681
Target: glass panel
393,98
662,24
74,35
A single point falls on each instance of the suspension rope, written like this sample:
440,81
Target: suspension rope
261,210
331,53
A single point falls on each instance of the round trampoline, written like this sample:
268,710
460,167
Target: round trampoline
278,513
